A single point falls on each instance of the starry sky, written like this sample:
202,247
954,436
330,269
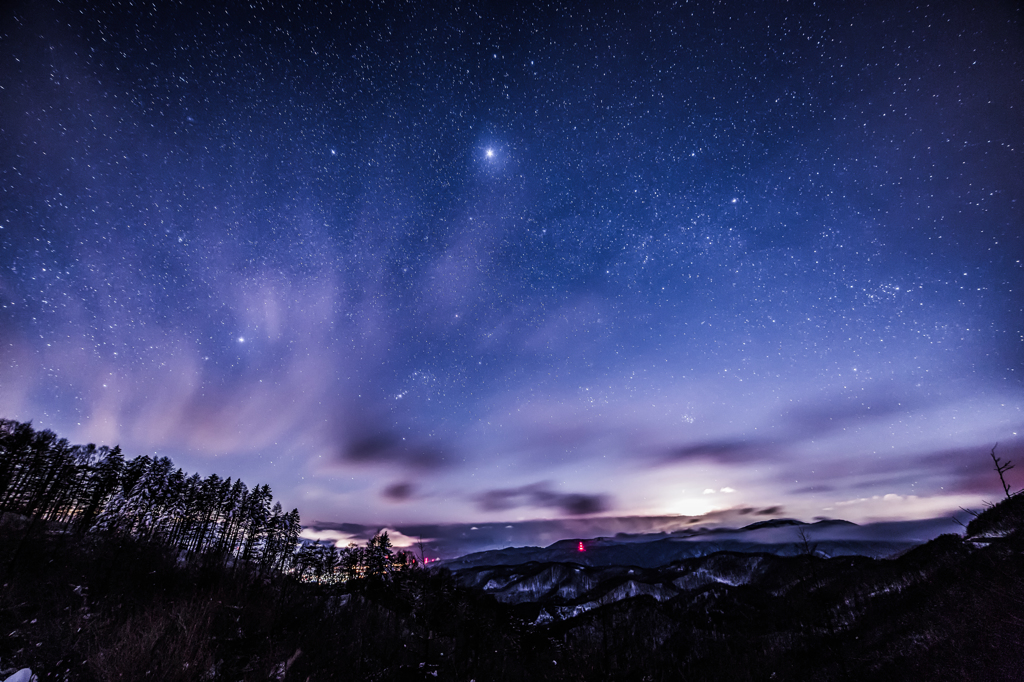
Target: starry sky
485,262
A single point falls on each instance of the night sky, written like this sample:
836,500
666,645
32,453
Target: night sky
491,262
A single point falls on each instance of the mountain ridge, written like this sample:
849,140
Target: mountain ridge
781,537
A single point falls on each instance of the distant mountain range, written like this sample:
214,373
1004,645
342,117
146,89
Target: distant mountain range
780,537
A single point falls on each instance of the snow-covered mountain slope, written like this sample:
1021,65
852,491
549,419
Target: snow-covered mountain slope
569,589
571,577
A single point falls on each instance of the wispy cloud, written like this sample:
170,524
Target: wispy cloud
540,496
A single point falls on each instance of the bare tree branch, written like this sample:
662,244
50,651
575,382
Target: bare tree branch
1001,469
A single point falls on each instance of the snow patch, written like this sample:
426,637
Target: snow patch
23,675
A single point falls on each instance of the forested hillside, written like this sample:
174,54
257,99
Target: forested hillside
84,489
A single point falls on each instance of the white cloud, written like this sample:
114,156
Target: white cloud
336,538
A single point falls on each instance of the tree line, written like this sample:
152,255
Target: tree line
326,564
88,489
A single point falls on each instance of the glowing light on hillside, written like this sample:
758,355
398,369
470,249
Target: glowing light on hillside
581,548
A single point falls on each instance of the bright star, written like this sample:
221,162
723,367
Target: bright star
490,153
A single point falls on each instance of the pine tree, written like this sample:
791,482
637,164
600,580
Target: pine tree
103,482
257,518
16,448
378,556
291,526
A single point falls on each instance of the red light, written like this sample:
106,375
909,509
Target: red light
581,548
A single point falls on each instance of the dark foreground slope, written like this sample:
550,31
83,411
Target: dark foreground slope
108,608
946,610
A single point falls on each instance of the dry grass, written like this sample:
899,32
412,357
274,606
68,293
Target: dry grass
162,643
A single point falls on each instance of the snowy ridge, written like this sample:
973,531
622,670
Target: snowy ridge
567,589
739,571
